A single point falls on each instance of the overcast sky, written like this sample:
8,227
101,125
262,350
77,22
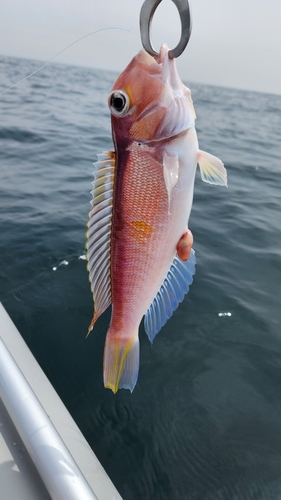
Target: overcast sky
234,43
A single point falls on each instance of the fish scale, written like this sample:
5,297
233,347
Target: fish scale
140,201
144,205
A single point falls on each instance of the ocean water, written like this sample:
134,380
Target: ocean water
204,421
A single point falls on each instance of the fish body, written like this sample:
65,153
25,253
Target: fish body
142,199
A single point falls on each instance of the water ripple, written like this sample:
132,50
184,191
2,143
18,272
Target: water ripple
203,422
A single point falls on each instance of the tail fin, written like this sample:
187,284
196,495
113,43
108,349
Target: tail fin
120,362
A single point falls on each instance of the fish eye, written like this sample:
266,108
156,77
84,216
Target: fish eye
118,102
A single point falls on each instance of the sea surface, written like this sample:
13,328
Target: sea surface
204,421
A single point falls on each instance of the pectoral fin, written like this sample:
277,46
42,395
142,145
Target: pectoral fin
212,169
171,174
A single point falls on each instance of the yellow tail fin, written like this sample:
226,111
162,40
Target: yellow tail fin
120,362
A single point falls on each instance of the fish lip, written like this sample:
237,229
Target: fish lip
169,138
180,110
176,99
160,135
169,72
163,53
148,110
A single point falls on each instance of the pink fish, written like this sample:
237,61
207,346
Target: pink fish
142,198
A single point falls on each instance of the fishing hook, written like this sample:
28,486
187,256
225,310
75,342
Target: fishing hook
146,14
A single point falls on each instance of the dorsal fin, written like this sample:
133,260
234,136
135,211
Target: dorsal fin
99,233
171,293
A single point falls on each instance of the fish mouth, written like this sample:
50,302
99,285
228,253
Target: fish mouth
161,105
172,123
174,104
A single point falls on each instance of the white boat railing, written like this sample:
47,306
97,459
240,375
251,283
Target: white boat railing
60,453
58,470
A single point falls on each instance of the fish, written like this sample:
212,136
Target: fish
141,202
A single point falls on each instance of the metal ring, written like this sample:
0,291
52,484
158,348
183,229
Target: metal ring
146,15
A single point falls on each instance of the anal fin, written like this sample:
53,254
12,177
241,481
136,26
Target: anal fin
171,293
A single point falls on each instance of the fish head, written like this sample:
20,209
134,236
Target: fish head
148,100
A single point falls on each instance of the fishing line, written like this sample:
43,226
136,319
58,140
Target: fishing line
63,50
